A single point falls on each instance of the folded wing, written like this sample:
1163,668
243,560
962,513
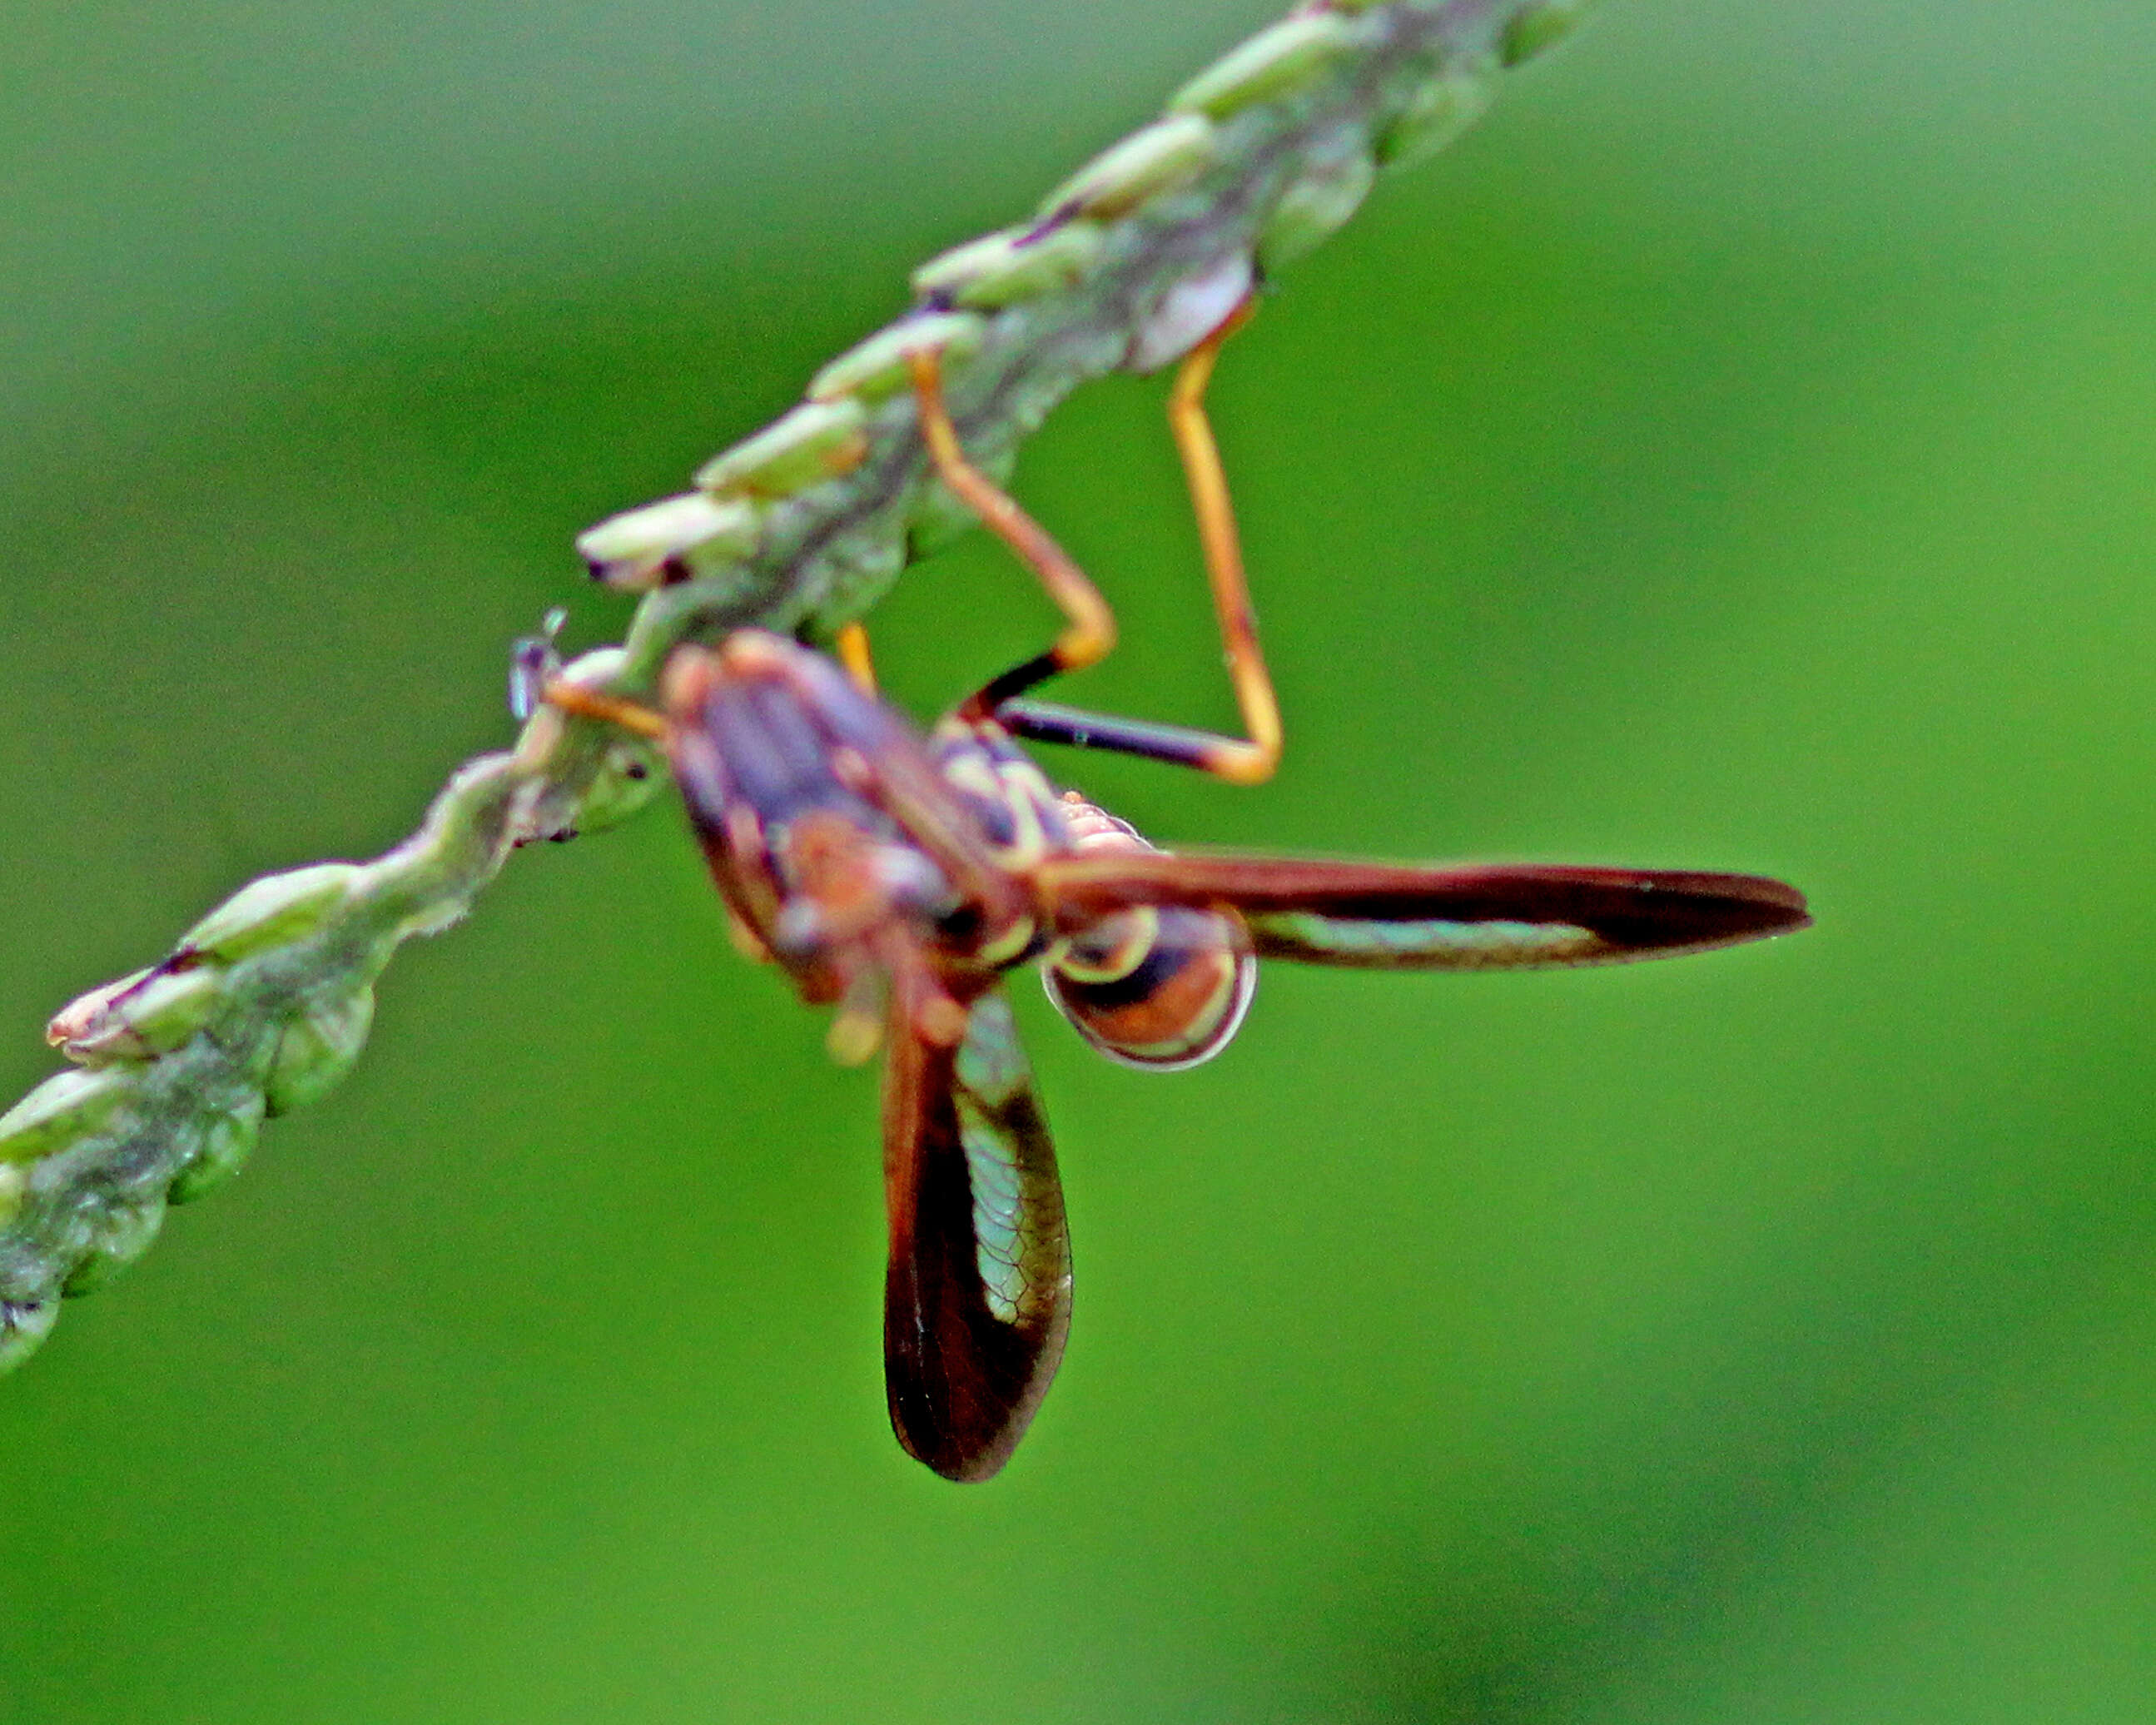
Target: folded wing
976,1299
1389,916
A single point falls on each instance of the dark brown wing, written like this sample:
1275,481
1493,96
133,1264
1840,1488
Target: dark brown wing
1387,916
976,1299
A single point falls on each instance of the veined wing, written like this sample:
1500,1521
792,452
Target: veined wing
1389,916
977,1298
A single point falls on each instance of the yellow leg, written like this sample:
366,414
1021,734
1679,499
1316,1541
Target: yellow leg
610,709
1238,762
853,649
1089,630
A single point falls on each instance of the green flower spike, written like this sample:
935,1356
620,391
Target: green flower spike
875,370
1436,114
1274,63
1001,269
688,536
817,441
1316,205
1167,154
1537,27
149,1013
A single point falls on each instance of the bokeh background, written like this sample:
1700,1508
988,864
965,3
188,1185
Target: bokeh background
1738,453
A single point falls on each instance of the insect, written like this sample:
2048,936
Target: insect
898,877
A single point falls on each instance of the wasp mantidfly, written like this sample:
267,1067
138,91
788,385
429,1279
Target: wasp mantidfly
898,876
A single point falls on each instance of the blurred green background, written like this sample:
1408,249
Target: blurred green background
1736,454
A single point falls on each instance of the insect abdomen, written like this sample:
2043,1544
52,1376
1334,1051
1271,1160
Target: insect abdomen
1162,988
